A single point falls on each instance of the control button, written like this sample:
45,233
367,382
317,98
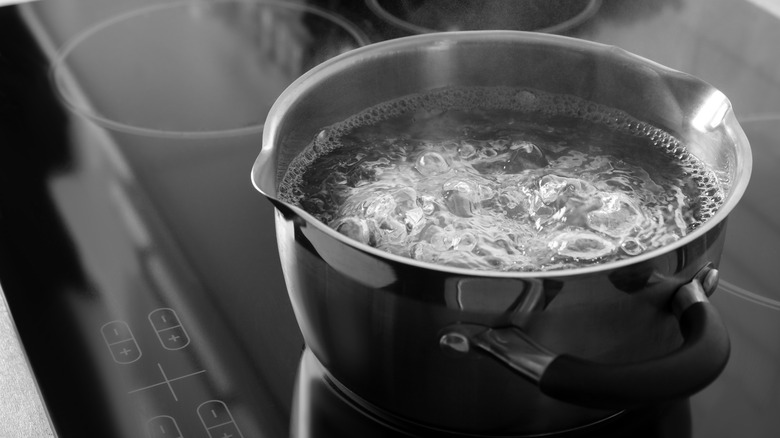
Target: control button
121,342
164,318
224,431
173,338
217,420
214,413
125,352
163,427
169,330
116,331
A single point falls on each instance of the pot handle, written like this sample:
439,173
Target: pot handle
691,367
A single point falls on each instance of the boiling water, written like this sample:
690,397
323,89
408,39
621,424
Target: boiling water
502,179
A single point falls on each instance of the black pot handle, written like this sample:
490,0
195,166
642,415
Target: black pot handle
691,367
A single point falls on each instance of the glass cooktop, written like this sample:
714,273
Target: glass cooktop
139,265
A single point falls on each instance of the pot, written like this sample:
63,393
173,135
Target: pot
495,353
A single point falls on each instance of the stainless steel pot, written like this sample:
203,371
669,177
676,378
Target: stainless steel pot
494,353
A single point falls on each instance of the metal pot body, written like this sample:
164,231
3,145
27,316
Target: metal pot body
377,322
376,325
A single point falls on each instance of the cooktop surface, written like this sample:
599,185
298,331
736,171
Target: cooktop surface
139,265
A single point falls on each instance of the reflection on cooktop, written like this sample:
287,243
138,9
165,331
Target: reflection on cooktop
176,55
320,410
753,238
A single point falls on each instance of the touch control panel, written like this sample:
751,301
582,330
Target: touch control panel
161,373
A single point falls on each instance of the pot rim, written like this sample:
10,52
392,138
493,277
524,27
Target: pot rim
265,182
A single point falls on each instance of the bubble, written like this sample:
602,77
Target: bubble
323,136
493,167
488,153
617,217
485,192
425,252
406,209
413,219
495,262
431,163
467,150
550,187
554,189
450,147
632,247
466,242
581,245
526,155
461,197
354,228
515,200
443,241
525,98
427,204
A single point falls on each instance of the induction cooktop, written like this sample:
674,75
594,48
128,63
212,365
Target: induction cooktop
139,265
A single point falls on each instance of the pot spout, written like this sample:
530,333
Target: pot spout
264,174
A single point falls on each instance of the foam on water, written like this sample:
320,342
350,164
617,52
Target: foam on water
502,178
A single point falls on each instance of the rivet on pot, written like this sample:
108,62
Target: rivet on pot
710,281
456,342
